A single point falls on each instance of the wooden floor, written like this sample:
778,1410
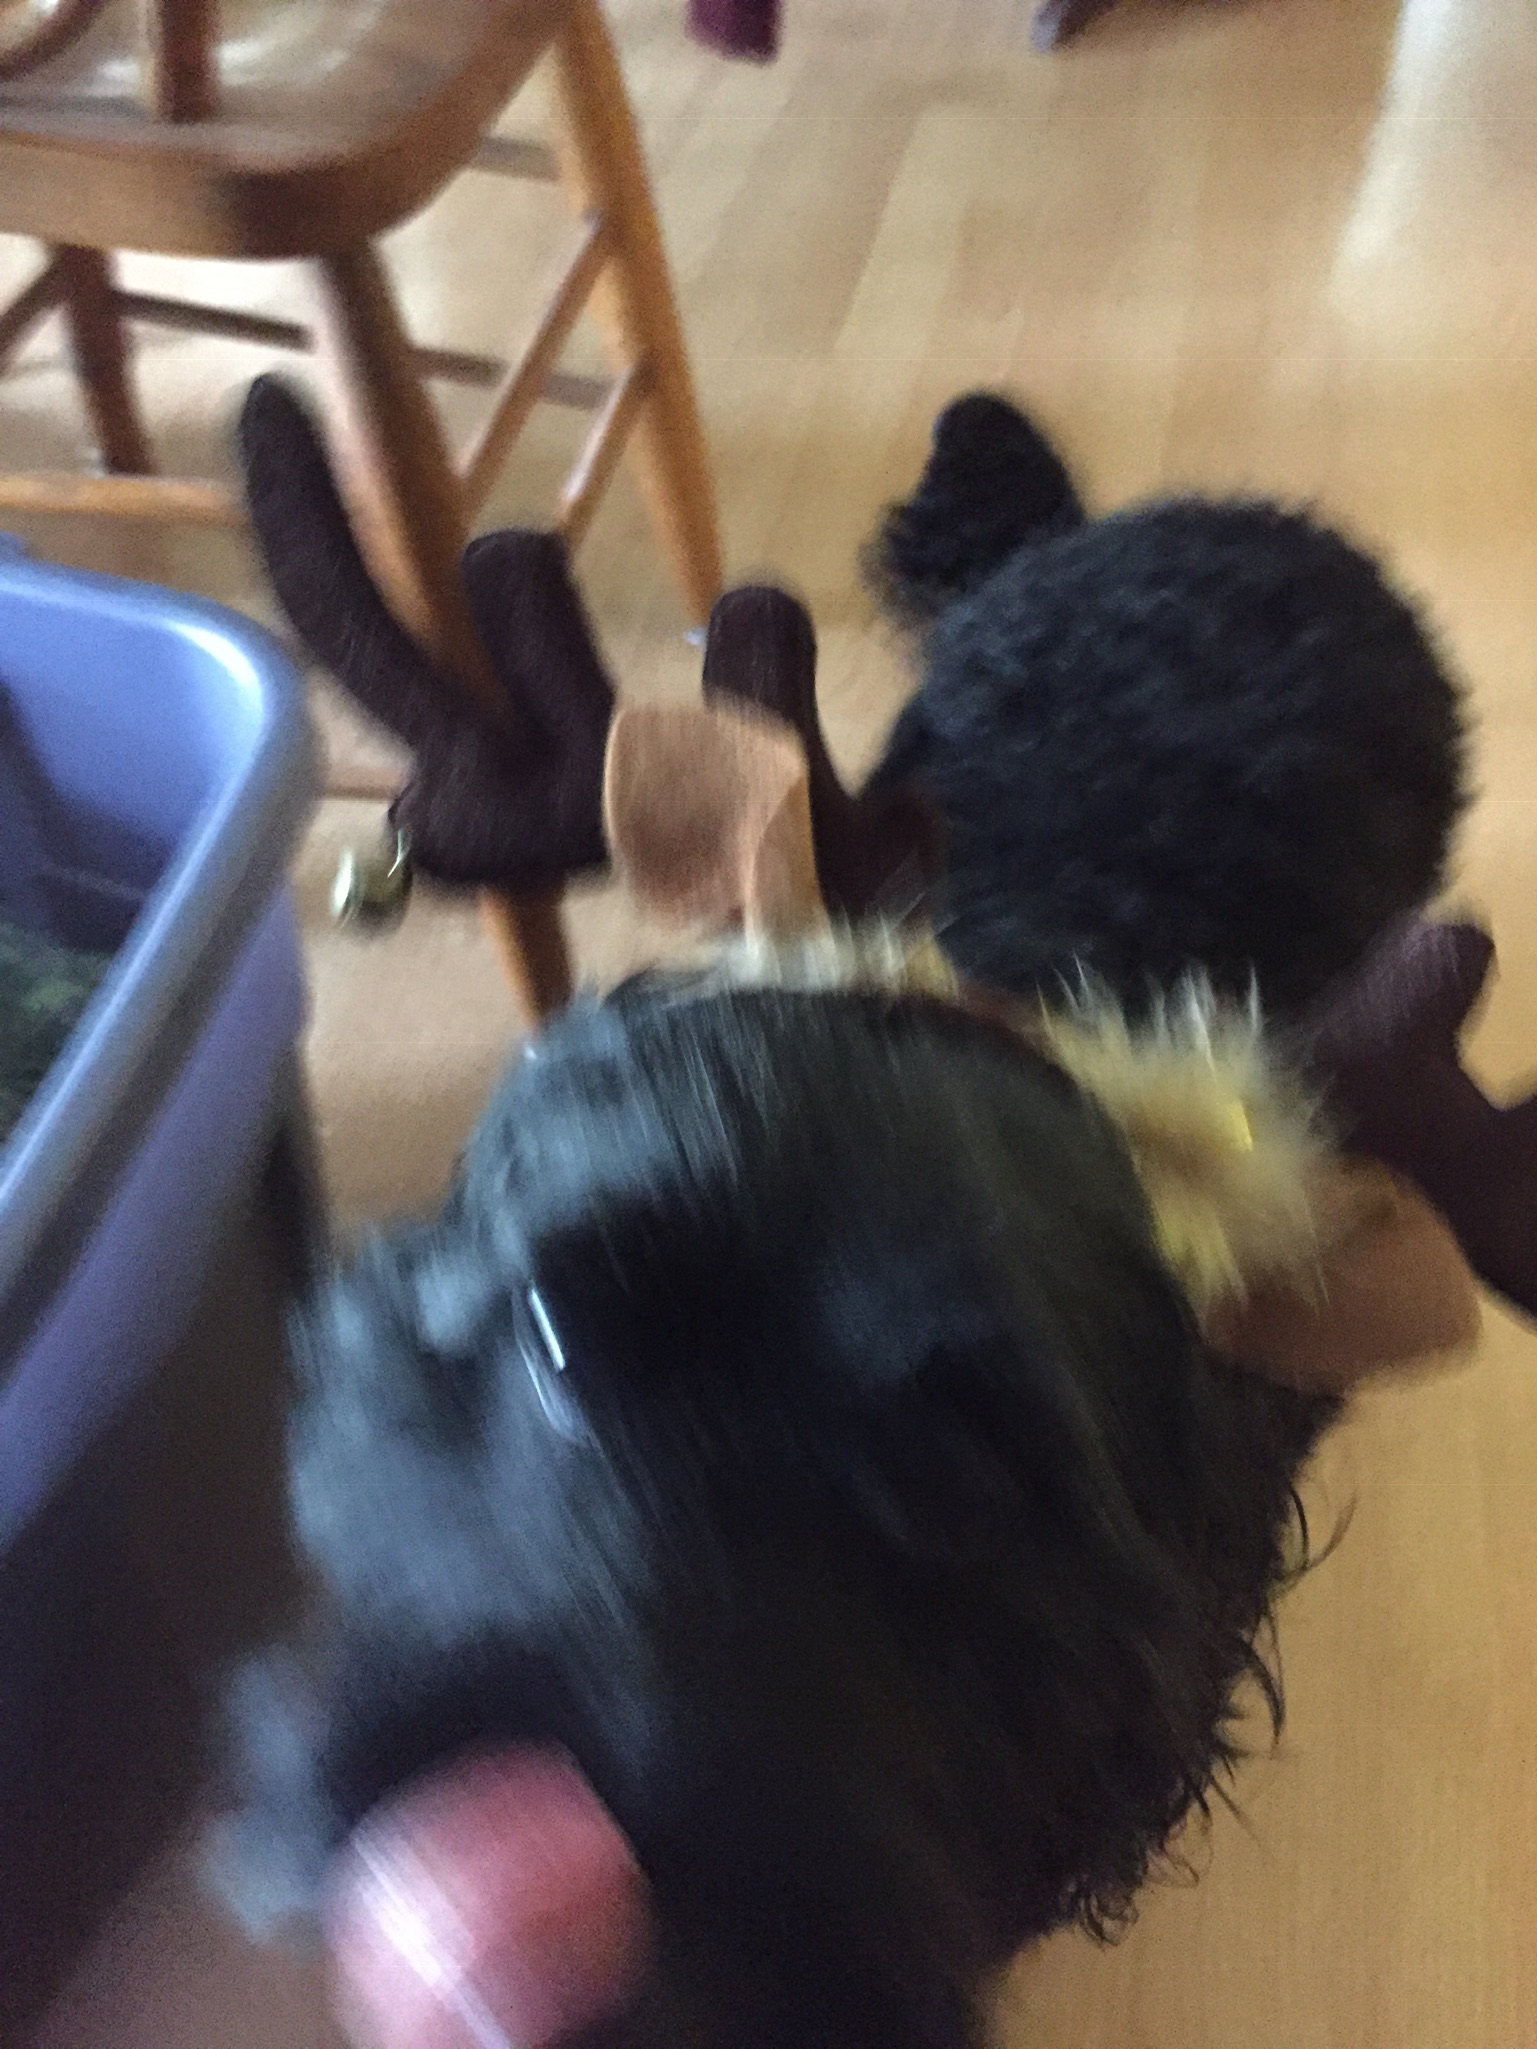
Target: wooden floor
1281,244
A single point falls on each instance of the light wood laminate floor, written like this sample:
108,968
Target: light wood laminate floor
1281,244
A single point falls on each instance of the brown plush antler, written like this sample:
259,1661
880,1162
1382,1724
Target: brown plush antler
517,804
872,852
1386,1051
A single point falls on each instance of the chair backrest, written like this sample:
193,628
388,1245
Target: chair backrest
176,39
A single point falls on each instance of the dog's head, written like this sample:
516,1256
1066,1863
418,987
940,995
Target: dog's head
793,1419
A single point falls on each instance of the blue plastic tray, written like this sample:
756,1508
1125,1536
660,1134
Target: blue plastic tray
167,743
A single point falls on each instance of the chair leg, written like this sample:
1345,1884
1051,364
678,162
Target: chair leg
408,509
606,167
99,345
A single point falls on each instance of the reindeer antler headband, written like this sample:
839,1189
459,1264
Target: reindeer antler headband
729,812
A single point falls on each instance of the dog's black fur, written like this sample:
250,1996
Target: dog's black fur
888,1550
1192,735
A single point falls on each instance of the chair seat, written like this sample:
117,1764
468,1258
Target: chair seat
336,119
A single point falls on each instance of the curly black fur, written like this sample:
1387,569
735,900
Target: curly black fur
886,1549
993,482
1192,735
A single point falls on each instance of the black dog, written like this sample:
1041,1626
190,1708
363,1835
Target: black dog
1192,735
791,1414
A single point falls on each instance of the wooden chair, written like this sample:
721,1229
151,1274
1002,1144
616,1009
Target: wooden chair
265,128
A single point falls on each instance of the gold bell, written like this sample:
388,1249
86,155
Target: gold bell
371,891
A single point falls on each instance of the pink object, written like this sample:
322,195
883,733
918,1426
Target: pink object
496,1905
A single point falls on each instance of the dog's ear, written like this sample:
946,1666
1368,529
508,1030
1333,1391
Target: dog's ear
993,483
1393,1292
708,818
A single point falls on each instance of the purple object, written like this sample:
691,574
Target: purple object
172,739
739,28
1058,21
750,28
